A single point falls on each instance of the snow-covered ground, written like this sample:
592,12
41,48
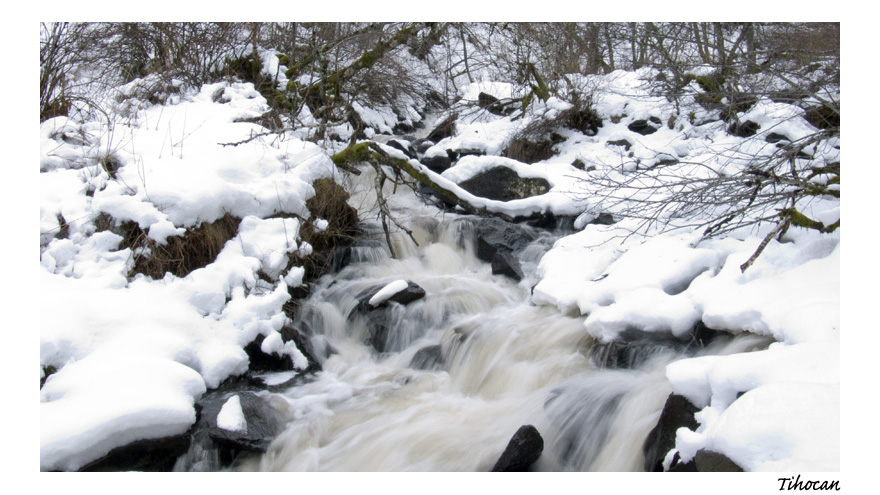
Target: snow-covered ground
132,356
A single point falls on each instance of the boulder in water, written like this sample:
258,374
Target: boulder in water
524,448
428,358
261,423
504,263
678,412
406,294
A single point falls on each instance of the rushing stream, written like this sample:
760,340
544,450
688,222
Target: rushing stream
459,371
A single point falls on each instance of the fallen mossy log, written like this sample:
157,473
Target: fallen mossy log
370,152
373,153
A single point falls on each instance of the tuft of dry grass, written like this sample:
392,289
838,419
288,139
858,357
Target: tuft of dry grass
197,248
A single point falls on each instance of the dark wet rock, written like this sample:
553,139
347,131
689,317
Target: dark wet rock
263,422
774,137
437,163
494,234
422,145
211,448
743,129
708,461
603,219
645,127
151,455
444,129
379,318
462,152
524,448
678,412
412,292
550,221
678,466
261,362
495,106
634,347
402,146
302,339
428,358
504,184
377,326
401,128
485,100
621,142
503,263
360,251
823,117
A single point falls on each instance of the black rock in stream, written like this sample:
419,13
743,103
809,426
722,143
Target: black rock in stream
263,422
150,455
678,412
428,358
213,447
504,263
380,316
636,346
523,450
497,241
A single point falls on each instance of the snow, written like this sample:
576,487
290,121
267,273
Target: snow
788,417
231,417
109,399
134,354
387,292
618,278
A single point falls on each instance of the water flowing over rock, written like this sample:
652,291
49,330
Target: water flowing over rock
428,358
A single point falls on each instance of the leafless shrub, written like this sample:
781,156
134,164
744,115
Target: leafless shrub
772,188
536,141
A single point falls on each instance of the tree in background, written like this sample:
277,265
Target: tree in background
330,70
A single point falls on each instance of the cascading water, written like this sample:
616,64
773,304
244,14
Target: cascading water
442,383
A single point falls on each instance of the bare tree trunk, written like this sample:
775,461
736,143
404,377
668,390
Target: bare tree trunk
594,49
464,44
609,40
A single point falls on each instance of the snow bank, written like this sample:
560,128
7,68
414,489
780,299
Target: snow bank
774,410
787,418
134,354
